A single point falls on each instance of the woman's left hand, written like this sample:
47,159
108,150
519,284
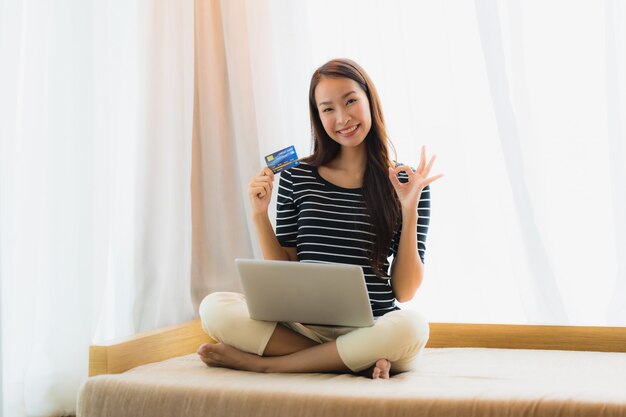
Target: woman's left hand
409,192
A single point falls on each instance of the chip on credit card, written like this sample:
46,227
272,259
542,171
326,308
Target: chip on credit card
283,159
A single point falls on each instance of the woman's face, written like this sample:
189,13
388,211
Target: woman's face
344,110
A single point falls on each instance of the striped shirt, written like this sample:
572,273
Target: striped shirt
329,224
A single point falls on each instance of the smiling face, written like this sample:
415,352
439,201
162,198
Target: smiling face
344,110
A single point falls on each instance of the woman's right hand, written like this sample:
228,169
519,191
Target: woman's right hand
260,191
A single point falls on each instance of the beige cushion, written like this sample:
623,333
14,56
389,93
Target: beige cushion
450,382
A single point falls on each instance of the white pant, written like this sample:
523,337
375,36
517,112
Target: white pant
398,336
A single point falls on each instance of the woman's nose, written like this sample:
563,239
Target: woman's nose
343,118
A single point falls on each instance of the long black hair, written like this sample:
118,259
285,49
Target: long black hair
381,200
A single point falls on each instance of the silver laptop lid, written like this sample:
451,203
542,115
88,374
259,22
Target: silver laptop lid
309,293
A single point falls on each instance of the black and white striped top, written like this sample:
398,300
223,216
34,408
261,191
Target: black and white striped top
329,224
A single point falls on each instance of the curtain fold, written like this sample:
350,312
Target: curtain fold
95,218
541,295
242,101
223,148
615,17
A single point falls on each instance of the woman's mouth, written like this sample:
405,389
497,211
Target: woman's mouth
349,131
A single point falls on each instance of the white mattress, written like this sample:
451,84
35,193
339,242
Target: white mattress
450,382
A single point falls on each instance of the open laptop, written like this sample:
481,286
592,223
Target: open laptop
308,293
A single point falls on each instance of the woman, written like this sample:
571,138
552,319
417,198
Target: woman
346,203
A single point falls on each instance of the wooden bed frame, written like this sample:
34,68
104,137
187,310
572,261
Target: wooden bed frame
123,354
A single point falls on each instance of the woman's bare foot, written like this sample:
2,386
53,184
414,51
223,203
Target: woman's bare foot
225,356
381,369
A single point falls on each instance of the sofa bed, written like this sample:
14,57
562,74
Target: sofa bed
466,370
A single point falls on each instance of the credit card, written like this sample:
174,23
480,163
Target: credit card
283,159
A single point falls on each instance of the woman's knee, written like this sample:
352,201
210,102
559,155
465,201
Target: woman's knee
398,336
410,327
224,317
220,311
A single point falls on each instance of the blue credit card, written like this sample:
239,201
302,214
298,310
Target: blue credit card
283,159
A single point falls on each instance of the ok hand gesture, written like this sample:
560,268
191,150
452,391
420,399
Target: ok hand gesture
409,192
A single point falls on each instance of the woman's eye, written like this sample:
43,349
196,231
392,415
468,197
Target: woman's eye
352,100
326,110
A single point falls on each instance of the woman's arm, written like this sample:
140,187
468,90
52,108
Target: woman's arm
260,193
407,270
269,243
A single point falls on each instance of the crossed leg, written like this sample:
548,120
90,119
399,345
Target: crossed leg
287,351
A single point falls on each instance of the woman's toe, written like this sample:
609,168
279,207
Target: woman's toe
384,366
202,350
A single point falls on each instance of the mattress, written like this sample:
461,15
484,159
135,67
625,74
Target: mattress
450,382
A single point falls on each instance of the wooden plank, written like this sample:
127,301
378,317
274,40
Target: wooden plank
511,336
122,354
97,360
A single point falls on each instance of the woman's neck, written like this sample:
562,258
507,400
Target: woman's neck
347,169
352,161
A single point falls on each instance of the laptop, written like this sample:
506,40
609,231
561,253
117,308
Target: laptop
308,293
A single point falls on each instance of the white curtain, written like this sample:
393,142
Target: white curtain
95,159
225,151
523,102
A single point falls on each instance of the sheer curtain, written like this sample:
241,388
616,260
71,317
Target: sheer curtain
225,150
523,102
95,160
